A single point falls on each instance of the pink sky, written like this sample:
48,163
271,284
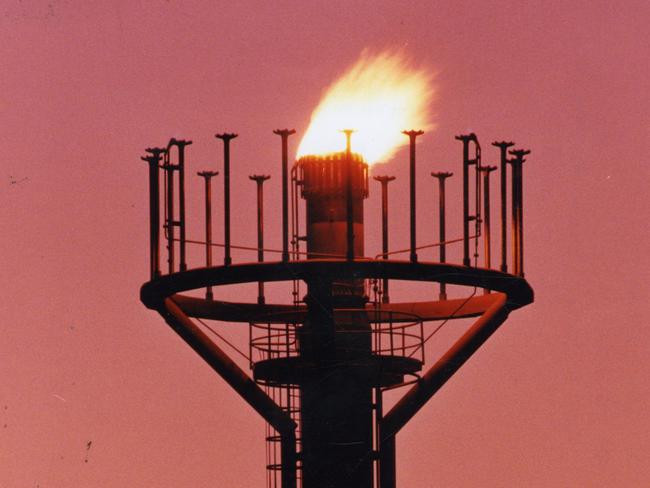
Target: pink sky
558,397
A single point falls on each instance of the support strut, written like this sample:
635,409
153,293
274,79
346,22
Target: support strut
240,382
436,377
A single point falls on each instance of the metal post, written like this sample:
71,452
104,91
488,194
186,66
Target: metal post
378,407
154,210
518,228
180,167
515,217
207,175
442,176
169,224
466,139
486,170
503,146
225,137
412,134
285,133
384,180
348,194
260,179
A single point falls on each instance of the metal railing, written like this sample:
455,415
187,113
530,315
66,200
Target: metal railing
393,334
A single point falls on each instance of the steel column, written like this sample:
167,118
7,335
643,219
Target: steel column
284,134
169,221
384,180
486,170
503,147
225,137
154,209
412,134
442,176
207,175
466,139
180,144
260,179
517,209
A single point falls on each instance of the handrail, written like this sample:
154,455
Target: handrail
280,340
329,255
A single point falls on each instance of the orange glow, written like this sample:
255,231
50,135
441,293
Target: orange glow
379,97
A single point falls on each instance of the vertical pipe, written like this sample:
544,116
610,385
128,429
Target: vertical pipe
515,218
384,180
169,169
517,168
442,176
503,146
477,202
154,216
284,134
466,217
260,179
207,175
348,194
504,217
154,210
225,137
180,166
181,205
412,134
466,260
377,440
521,218
486,170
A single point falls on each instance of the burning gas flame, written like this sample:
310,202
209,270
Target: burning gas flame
379,97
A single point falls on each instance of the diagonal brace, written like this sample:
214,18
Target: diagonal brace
445,367
240,382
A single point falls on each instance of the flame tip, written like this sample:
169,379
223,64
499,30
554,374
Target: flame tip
378,95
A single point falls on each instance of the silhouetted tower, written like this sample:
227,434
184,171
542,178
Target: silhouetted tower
321,363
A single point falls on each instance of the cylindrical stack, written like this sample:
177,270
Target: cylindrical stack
324,189
336,400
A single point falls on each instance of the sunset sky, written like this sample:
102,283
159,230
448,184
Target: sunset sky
97,391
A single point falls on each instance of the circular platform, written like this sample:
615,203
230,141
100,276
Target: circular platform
153,293
381,370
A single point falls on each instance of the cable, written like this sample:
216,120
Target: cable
279,251
445,321
224,339
426,246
